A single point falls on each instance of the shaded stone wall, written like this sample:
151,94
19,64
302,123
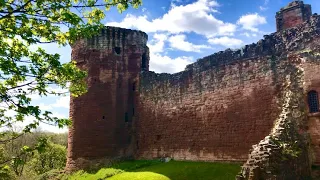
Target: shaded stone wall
221,105
284,153
312,83
212,115
102,118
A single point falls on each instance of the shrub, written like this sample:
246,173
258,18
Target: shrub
54,157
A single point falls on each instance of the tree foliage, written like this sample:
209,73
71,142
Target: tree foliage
25,71
28,162
53,157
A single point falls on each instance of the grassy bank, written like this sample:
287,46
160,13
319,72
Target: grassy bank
156,170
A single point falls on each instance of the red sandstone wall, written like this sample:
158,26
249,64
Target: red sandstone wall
224,103
312,82
102,118
212,115
292,18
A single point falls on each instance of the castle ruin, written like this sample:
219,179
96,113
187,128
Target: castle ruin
217,109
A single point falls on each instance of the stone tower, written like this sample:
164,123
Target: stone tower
103,117
292,15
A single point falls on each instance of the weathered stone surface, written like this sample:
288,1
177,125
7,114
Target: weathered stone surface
222,104
284,153
102,118
292,15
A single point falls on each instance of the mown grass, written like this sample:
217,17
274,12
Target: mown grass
182,170
156,170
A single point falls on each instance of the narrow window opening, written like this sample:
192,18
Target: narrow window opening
313,101
158,137
126,117
117,50
102,117
133,111
144,62
134,86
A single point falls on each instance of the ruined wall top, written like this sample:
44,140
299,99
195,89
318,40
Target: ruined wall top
110,37
293,4
277,44
293,14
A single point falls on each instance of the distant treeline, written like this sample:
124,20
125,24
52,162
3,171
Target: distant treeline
31,163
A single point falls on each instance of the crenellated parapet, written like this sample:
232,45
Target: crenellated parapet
111,37
277,44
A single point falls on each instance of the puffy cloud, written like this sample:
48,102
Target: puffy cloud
162,63
251,21
167,64
195,17
157,43
226,41
179,42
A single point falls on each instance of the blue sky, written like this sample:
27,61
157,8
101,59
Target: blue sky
181,31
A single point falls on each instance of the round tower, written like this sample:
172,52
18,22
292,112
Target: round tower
103,117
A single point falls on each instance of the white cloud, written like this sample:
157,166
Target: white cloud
45,107
264,7
63,102
248,34
179,42
55,129
157,44
160,64
226,41
251,21
195,17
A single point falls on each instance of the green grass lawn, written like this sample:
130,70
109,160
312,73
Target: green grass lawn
156,170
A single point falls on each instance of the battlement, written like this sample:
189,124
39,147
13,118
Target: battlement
111,37
293,14
276,44
114,41
293,4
